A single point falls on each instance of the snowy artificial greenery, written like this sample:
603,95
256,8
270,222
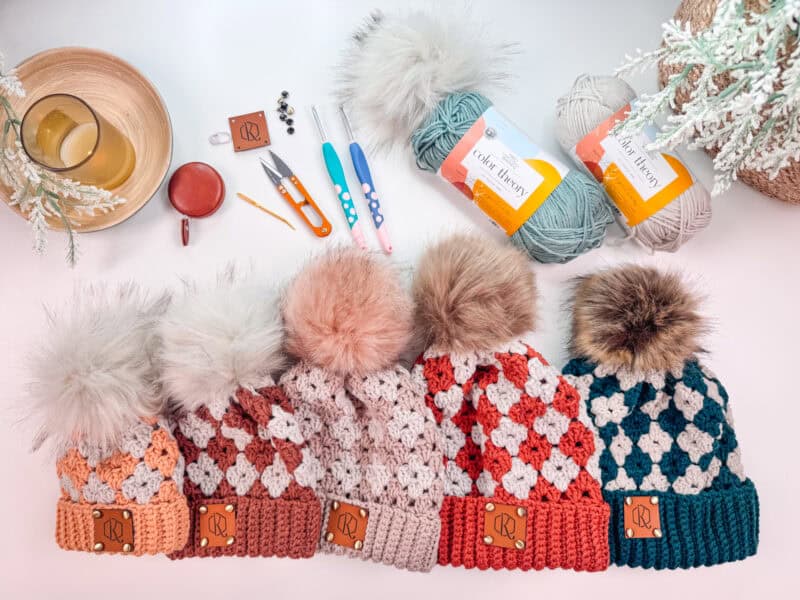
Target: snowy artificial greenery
39,193
744,89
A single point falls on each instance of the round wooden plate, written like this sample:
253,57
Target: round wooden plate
122,95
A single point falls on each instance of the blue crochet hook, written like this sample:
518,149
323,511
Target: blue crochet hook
334,166
367,186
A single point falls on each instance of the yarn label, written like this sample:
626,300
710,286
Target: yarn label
500,169
640,182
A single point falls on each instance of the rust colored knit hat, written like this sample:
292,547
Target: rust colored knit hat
522,487
364,416
120,470
249,476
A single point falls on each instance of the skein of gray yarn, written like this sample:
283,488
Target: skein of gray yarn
592,100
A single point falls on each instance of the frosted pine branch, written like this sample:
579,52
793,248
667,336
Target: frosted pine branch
745,102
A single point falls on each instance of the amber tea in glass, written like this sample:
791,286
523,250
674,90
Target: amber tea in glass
62,133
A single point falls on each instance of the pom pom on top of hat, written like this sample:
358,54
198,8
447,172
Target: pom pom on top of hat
120,470
249,476
421,78
522,484
348,319
670,462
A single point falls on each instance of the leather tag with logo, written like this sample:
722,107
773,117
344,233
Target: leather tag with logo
505,525
249,131
347,525
641,517
113,530
217,525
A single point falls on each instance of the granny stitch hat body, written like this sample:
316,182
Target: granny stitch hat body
380,453
670,461
521,463
119,467
364,417
245,455
521,476
140,483
669,436
248,473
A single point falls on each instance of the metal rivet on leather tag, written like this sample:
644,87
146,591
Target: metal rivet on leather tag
229,541
653,499
203,542
521,512
489,507
99,546
203,510
127,548
362,512
519,545
657,533
487,539
96,514
229,508
358,545
126,514
329,536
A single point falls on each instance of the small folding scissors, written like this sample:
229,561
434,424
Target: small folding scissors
282,171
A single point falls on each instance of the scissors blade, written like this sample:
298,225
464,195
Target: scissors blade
271,172
282,167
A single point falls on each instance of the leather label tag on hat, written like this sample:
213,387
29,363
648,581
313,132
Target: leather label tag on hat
642,518
113,530
217,525
249,131
505,525
347,525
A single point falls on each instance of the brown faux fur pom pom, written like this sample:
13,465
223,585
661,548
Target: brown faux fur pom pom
636,317
473,294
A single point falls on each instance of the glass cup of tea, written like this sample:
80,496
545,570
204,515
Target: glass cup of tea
62,133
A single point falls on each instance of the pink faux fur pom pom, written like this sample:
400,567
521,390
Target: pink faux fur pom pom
348,312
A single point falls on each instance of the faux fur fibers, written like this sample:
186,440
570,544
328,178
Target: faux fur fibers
636,317
400,66
347,311
473,294
93,375
217,339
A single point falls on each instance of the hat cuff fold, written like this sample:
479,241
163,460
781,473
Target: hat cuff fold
158,527
397,537
705,529
264,527
559,535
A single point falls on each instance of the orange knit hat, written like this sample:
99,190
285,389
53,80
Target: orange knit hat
119,466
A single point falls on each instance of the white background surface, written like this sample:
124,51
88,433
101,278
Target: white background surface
213,59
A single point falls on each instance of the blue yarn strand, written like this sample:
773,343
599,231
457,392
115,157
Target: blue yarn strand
570,222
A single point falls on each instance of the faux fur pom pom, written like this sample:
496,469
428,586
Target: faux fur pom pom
347,311
218,339
473,294
93,374
399,67
636,317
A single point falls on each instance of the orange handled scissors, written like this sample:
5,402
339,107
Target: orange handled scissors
282,171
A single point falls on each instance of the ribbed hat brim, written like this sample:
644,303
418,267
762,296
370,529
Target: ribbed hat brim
705,529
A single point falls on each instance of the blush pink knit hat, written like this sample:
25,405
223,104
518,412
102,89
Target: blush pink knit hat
348,319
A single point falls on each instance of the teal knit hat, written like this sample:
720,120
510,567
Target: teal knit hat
671,465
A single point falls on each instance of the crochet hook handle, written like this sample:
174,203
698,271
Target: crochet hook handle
368,187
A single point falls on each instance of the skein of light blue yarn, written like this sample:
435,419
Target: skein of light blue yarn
572,220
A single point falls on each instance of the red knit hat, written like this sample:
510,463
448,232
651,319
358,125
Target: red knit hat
522,483
249,477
